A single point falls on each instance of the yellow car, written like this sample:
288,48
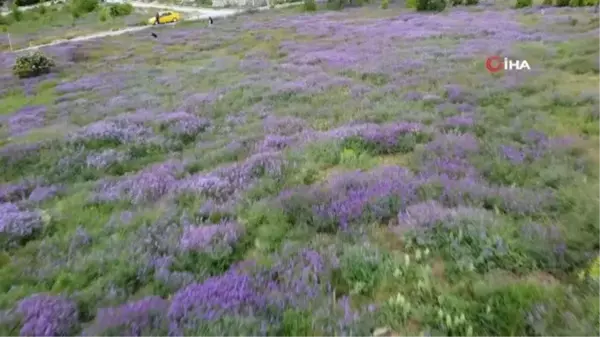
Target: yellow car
165,17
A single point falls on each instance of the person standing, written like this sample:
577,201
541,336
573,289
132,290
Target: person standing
157,21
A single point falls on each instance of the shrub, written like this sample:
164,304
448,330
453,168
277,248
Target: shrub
123,9
79,7
411,3
26,2
471,2
456,2
16,13
577,3
431,5
385,4
335,4
310,5
104,14
523,3
547,2
33,65
562,3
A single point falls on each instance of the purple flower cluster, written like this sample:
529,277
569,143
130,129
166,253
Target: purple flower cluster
147,186
42,193
25,119
515,200
426,214
379,193
275,143
120,131
137,318
195,101
462,121
47,315
225,182
105,81
536,146
233,293
376,195
251,291
13,153
386,137
17,191
213,187
104,159
183,123
16,225
210,238
448,156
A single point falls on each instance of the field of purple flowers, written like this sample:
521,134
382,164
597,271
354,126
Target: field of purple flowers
336,173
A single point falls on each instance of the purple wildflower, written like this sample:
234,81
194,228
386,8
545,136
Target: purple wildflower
42,193
455,93
104,159
16,225
460,121
423,214
147,186
17,191
183,123
513,154
210,186
386,137
137,318
211,237
275,143
46,315
379,194
285,126
451,167
450,144
231,293
119,131
25,119
413,96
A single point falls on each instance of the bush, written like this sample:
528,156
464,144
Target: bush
26,2
471,2
523,3
16,13
385,4
431,5
120,10
456,2
547,2
577,3
310,5
104,14
79,7
32,65
335,4
562,3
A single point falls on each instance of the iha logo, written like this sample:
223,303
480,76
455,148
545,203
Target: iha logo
495,64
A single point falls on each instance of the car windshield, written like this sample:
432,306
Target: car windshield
165,14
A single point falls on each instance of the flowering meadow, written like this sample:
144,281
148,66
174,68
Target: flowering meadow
353,172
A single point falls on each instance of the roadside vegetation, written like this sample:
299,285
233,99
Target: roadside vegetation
63,21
